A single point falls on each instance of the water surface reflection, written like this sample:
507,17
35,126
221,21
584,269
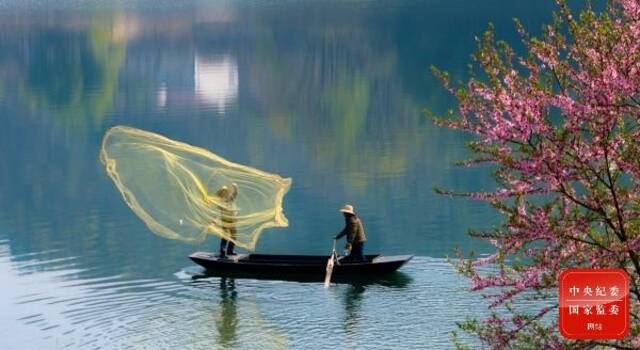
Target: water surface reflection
228,320
56,308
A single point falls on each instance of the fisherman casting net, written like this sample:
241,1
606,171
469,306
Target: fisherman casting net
185,193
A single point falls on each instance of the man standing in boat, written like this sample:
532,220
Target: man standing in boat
354,230
227,208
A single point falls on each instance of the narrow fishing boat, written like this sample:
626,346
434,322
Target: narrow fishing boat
310,266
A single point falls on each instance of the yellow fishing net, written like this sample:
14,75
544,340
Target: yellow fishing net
186,193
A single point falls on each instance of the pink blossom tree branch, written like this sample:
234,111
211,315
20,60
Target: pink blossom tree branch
561,127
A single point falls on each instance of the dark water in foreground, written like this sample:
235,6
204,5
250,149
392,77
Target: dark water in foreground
329,93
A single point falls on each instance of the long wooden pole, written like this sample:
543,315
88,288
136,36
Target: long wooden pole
330,263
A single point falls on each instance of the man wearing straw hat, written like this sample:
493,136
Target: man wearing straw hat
354,231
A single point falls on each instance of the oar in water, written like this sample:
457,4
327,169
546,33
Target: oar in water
330,263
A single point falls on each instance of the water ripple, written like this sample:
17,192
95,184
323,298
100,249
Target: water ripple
65,311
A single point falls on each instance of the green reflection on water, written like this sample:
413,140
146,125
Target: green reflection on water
74,73
328,89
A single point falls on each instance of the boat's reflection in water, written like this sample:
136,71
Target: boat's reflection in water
353,295
238,302
397,279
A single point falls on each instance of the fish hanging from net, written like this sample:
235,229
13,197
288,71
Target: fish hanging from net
185,192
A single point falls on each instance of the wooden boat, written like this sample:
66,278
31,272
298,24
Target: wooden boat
308,267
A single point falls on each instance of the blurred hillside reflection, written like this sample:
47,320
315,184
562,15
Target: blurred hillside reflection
329,93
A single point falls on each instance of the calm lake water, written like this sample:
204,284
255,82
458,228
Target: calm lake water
329,93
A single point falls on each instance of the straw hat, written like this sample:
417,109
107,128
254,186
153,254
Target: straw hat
223,191
348,208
